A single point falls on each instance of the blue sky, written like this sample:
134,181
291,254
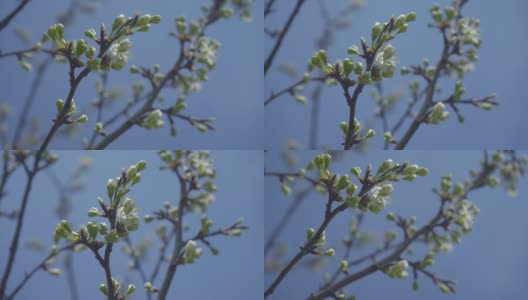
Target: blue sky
236,273
500,70
232,95
487,264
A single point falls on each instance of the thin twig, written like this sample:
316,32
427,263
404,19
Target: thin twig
10,16
278,42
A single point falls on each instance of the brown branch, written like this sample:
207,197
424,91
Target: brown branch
428,103
329,291
269,7
41,266
10,16
179,243
329,215
440,67
31,173
438,220
278,42
287,217
291,89
181,63
28,102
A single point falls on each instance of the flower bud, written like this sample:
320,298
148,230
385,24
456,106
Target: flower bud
348,66
99,128
118,22
344,181
91,34
93,212
59,104
400,20
111,186
343,266
226,13
141,165
410,17
439,113
82,119
370,133
80,47
356,171
422,171
181,25
285,189
93,229
103,229
124,46
376,30
353,201
352,188
155,19
25,65
310,234
104,289
112,237
353,50
94,64
358,68
365,78
143,20
148,287
130,290
54,272
128,205
144,28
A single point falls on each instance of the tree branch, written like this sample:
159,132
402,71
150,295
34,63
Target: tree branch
278,42
9,18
